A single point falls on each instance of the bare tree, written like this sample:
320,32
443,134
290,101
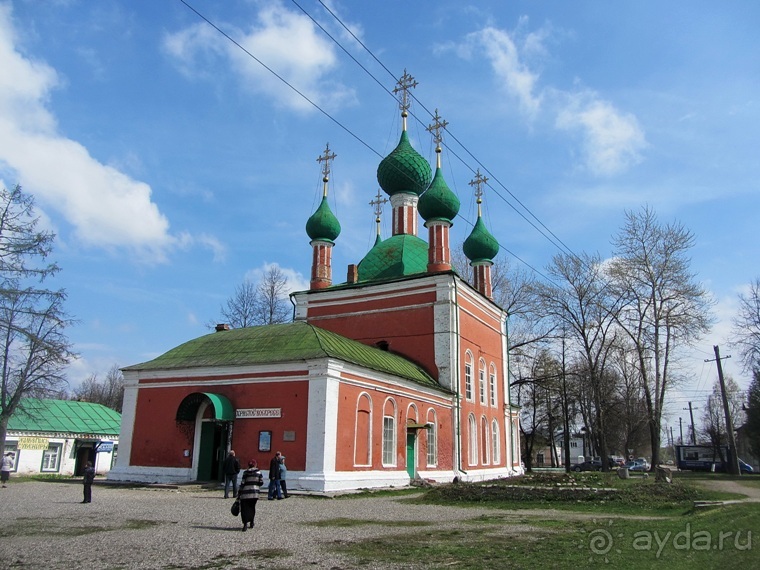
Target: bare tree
578,301
664,308
240,310
259,303
714,418
753,413
273,306
34,350
746,331
109,393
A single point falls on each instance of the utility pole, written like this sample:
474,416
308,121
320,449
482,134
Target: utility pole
693,433
565,410
733,458
680,428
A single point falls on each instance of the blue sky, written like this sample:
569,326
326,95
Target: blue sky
171,165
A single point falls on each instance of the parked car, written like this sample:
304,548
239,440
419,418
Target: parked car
588,465
745,468
644,462
636,465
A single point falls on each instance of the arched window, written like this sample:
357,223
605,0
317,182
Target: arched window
389,433
492,381
363,431
468,376
495,443
432,439
473,441
485,442
482,381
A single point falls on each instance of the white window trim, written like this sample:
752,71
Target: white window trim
472,455
394,435
469,362
495,442
432,450
493,380
482,388
58,449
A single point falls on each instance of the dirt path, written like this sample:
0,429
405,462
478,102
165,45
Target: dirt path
751,492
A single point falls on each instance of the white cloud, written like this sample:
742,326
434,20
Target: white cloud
504,56
100,202
285,41
612,140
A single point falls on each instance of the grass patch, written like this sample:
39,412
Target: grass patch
586,492
45,527
711,539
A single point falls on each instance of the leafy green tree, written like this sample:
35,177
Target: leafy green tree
34,350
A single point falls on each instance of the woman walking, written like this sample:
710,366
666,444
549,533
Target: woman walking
248,494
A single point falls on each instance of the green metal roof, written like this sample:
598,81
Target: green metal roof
397,256
223,409
290,342
67,416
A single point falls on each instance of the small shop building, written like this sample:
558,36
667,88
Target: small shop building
60,436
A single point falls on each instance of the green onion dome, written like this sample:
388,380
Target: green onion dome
323,225
404,170
480,245
438,202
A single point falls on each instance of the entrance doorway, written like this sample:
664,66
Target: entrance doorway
411,466
212,450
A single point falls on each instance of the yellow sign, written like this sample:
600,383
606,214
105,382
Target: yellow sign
33,443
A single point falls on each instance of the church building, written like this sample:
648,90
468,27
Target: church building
399,373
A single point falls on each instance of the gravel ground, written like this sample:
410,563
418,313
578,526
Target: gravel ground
44,525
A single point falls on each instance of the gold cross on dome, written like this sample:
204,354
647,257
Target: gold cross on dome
435,128
378,204
326,158
478,183
403,86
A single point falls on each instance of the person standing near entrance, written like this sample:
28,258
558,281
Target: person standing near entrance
274,477
249,493
5,468
231,468
89,477
283,476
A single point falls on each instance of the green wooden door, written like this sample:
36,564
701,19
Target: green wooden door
410,464
206,461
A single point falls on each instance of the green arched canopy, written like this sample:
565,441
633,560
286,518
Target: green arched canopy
188,408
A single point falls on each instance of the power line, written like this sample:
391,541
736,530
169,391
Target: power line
344,127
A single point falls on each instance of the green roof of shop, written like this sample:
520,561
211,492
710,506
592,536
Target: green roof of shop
64,416
289,342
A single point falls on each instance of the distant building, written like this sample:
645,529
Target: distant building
60,436
398,374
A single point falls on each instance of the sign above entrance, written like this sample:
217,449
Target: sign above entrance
104,447
258,413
